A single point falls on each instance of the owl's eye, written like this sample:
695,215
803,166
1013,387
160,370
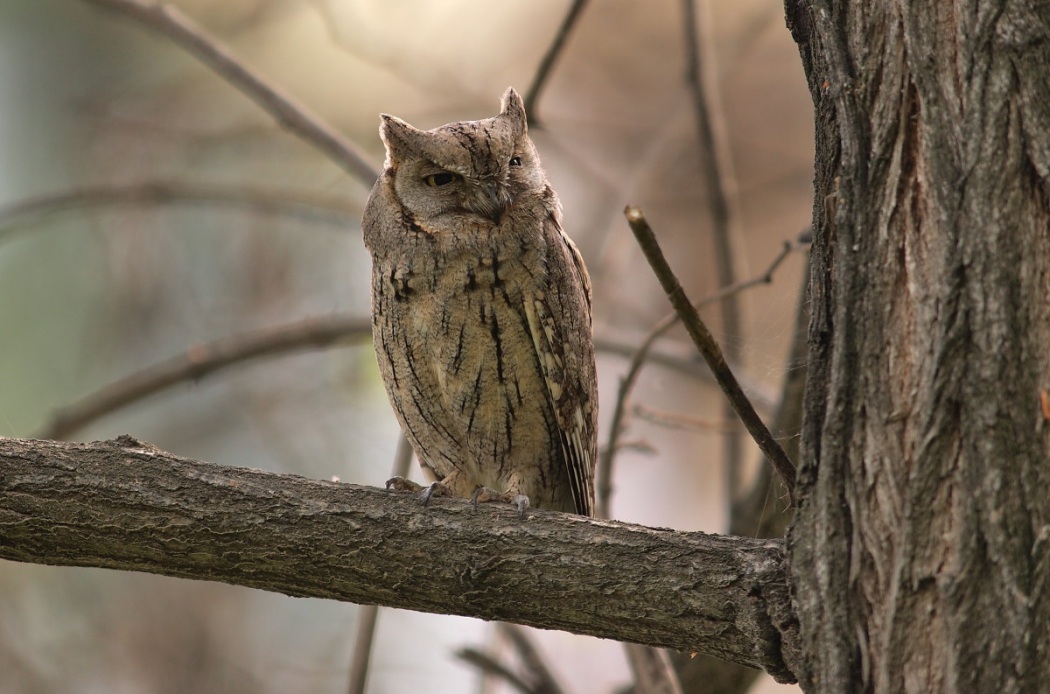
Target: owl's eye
515,161
440,179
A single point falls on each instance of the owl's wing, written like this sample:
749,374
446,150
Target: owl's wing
559,320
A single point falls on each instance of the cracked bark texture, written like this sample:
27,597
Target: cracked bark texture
127,505
920,555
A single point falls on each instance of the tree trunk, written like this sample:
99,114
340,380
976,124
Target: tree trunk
920,554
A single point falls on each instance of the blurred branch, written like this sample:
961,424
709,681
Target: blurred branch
169,21
536,677
677,420
720,180
369,614
536,669
366,630
532,97
763,510
127,505
488,664
201,360
684,363
204,359
327,209
616,425
652,670
707,346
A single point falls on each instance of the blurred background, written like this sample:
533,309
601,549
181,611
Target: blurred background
257,229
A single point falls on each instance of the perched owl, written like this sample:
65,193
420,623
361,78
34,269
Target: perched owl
481,314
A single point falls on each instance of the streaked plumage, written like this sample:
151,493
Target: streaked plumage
481,312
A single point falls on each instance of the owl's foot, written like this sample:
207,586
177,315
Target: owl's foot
425,493
484,494
435,489
403,484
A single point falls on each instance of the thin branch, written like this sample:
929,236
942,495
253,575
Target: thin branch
532,97
704,342
369,614
616,425
671,356
169,21
761,512
720,181
652,670
677,420
127,505
490,665
677,360
328,209
202,360
366,630
541,677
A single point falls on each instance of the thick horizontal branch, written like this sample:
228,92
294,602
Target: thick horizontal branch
126,505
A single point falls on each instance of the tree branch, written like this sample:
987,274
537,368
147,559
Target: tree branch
707,346
199,361
309,333
127,505
634,367
716,161
539,81
167,20
330,209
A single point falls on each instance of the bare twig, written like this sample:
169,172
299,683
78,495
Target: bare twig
720,181
760,512
676,420
549,58
652,670
368,614
366,629
538,674
201,360
487,663
701,336
671,357
616,425
167,20
329,209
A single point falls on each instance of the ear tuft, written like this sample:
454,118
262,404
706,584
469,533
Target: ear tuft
399,137
514,109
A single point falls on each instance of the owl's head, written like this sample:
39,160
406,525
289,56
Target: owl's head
470,167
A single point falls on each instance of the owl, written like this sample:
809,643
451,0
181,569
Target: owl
481,315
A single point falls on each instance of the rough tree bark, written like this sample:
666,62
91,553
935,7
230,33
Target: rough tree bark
921,550
128,505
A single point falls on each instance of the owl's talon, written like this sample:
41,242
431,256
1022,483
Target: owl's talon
435,489
522,502
402,484
484,494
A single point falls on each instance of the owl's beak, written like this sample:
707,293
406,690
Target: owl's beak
491,199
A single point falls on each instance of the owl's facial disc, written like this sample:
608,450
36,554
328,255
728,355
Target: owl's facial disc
477,179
